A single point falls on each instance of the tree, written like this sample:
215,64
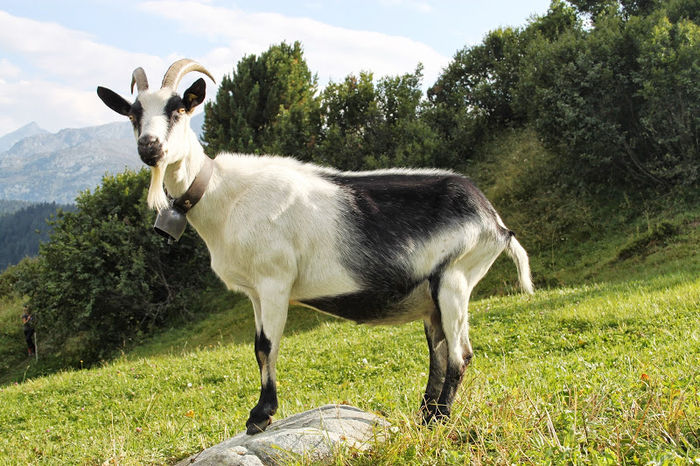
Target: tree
368,126
349,113
669,98
268,104
596,8
481,79
402,138
620,101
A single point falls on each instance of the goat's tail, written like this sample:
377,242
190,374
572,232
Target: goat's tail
519,256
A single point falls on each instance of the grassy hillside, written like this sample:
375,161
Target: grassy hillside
599,366
594,372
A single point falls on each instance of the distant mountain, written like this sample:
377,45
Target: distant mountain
49,167
9,140
56,167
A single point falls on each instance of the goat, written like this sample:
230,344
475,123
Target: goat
376,247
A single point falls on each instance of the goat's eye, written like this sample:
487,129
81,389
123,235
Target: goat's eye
181,111
132,118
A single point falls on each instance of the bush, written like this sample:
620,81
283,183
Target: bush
105,276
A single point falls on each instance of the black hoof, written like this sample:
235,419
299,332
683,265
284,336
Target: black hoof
434,413
255,427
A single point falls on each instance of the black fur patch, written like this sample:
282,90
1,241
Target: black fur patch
363,306
136,113
173,105
170,111
113,100
263,346
386,213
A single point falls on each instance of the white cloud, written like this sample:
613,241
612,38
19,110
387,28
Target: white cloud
52,106
8,70
70,56
333,52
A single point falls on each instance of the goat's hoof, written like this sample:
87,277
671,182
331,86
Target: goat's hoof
255,427
435,413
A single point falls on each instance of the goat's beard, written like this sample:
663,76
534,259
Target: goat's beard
156,194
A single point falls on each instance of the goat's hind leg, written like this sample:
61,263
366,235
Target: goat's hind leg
270,317
452,303
437,347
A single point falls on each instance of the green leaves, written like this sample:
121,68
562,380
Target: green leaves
268,104
619,101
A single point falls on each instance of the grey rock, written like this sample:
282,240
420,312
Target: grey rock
312,435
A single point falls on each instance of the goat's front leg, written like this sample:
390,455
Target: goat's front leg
270,316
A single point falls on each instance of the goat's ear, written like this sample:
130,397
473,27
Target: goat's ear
114,100
194,95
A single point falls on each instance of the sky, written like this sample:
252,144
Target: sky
53,54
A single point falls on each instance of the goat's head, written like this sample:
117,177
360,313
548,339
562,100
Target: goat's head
161,118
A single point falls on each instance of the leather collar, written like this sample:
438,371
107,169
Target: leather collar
196,190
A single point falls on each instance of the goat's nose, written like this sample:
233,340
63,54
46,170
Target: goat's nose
147,141
150,149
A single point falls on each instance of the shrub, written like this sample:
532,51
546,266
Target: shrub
105,276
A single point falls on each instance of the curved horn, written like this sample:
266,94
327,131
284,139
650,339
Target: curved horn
139,78
180,68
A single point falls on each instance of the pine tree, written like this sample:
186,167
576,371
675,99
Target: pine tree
267,105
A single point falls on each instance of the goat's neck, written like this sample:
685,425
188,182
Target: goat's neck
179,175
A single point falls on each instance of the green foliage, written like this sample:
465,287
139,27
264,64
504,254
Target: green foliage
657,237
481,79
268,104
17,280
619,102
368,126
12,344
349,114
104,276
575,235
669,93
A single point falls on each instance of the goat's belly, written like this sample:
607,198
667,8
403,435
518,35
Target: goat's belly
375,306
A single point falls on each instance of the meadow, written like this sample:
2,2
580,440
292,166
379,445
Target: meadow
604,373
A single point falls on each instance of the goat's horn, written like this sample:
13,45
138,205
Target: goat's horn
139,78
180,68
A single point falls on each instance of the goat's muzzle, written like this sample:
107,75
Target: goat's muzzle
150,149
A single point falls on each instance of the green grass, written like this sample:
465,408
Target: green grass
600,366
594,373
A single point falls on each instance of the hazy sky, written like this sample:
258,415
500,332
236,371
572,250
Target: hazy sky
53,53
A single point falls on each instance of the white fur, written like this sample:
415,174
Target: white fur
156,195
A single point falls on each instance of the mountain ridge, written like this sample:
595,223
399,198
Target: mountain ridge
28,130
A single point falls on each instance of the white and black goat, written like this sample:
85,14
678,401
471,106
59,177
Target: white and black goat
379,247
